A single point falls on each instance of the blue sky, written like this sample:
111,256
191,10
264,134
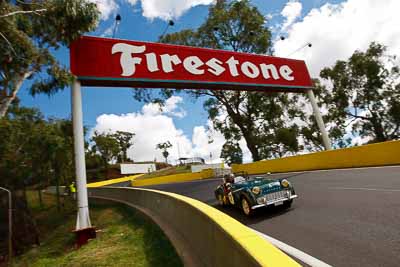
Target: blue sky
336,29
136,27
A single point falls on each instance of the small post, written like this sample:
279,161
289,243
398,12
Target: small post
325,138
9,224
83,220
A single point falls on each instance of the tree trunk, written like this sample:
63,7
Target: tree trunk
247,135
58,191
6,102
40,197
378,130
252,147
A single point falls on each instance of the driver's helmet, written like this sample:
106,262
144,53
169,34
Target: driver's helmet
230,178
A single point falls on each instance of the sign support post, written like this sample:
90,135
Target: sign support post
84,228
325,138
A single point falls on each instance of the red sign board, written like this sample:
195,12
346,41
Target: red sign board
112,62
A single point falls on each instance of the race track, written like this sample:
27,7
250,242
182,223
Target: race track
342,217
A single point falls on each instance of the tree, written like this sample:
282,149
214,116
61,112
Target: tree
232,153
29,31
164,147
124,140
34,153
107,146
365,94
254,116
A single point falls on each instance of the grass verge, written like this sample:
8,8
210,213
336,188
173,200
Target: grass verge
125,238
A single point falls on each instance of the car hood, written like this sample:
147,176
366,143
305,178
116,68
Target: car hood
266,185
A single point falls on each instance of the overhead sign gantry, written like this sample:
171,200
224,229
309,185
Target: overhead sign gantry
111,62
123,63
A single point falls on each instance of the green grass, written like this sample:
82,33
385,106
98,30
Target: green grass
167,171
125,238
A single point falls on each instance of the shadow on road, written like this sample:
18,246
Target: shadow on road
260,214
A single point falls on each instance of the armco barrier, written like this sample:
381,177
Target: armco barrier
175,178
202,235
380,154
119,181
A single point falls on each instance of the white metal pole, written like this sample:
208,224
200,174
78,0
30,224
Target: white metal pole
9,224
325,138
83,219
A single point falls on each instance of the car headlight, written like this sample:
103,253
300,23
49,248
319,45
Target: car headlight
256,190
285,183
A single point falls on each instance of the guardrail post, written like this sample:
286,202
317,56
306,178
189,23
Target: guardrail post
325,138
83,220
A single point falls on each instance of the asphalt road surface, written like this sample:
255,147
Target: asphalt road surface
342,217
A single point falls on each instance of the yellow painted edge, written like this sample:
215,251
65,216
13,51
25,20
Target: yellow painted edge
114,181
175,178
261,250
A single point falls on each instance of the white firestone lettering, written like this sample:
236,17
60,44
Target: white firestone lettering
128,62
167,61
250,70
152,64
232,63
192,65
286,72
267,69
215,66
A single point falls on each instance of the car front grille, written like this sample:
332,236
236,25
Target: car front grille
276,195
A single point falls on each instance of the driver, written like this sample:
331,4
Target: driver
229,178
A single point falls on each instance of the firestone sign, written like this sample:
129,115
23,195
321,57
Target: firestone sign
112,62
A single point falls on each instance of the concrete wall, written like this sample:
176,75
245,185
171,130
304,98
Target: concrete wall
380,154
199,168
202,235
132,168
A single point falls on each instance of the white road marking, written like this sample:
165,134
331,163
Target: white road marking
294,252
366,189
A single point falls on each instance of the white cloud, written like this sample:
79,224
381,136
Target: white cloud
168,9
153,126
170,108
106,7
291,12
150,130
337,30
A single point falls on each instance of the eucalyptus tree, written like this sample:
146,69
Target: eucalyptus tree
362,97
125,141
107,146
34,153
29,32
232,153
255,116
164,149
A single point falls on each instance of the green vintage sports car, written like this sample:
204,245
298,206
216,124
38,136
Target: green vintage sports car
250,193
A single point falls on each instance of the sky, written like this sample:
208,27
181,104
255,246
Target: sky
334,28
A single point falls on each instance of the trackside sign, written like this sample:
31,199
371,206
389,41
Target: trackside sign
112,62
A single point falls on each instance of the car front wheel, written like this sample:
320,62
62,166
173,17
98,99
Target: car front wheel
246,207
